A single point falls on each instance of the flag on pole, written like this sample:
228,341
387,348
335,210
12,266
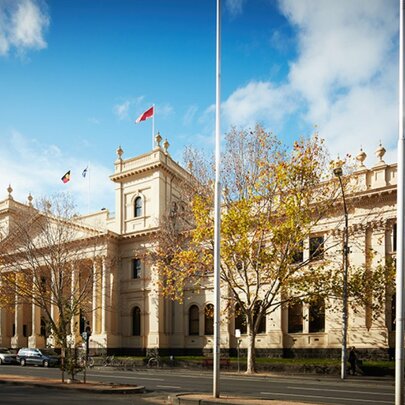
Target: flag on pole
66,177
84,172
147,114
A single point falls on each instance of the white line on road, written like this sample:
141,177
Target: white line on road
370,401
347,391
134,378
168,386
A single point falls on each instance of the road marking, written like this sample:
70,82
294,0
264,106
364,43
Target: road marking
371,401
348,391
128,378
168,386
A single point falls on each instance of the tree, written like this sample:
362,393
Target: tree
273,200
46,259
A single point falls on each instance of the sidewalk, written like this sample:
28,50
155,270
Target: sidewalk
92,386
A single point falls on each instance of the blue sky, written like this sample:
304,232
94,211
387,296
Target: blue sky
75,74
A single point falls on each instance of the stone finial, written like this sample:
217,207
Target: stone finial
10,190
158,139
119,152
166,145
380,152
361,157
29,198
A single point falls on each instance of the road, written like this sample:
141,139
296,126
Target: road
311,389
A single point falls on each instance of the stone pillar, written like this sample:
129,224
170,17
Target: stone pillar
36,340
105,274
54,312
94,298
74,292
18,339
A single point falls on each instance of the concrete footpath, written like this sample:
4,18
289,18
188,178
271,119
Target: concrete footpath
97,387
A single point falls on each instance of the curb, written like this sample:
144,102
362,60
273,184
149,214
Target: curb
88,387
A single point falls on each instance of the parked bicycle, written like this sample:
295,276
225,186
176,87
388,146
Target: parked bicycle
81,361
108,361
154,360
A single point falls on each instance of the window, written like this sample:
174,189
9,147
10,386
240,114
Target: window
317,317
209,320
43,328
393,312
136,321
394,237
262,325
193,320
136,268
298,254
138,207
295,317
316,247
240,320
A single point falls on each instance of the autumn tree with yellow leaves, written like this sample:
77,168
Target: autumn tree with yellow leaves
46,260
273,199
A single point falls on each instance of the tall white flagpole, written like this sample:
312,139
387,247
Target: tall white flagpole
400,310
153,127
217,209
88,187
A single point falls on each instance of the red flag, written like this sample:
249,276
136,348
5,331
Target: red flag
66,177
147,114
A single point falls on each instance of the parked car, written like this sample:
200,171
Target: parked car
37,357
7,357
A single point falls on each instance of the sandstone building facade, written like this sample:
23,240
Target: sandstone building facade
128,313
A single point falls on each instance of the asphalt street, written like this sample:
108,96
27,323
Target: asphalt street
161,382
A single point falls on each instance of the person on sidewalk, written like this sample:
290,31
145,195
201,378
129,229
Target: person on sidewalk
353,360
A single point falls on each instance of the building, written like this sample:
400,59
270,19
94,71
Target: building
129,315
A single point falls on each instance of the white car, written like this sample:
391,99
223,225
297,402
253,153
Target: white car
7,357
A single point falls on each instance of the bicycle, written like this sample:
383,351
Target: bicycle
154,358
83,363
109,361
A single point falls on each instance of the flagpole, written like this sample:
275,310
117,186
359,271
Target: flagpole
88,187
400,270
217,209
153,127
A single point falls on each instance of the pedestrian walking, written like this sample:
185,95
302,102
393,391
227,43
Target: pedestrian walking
353,360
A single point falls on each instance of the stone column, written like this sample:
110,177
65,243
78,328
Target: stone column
36,340
18,339
94,299
105,270
54,310
75,289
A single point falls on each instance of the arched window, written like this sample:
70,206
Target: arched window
295,317
240,320
209,320
193,320
138,207
262,325
317,316
136,321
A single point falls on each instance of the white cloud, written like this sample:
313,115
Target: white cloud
258,101
122,110
164,110
190,114
344,78
235,7
23,24
24,161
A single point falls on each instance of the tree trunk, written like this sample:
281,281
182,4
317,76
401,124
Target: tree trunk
251,353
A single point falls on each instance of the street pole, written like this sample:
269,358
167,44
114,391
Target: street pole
399,328
338,173
217,210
